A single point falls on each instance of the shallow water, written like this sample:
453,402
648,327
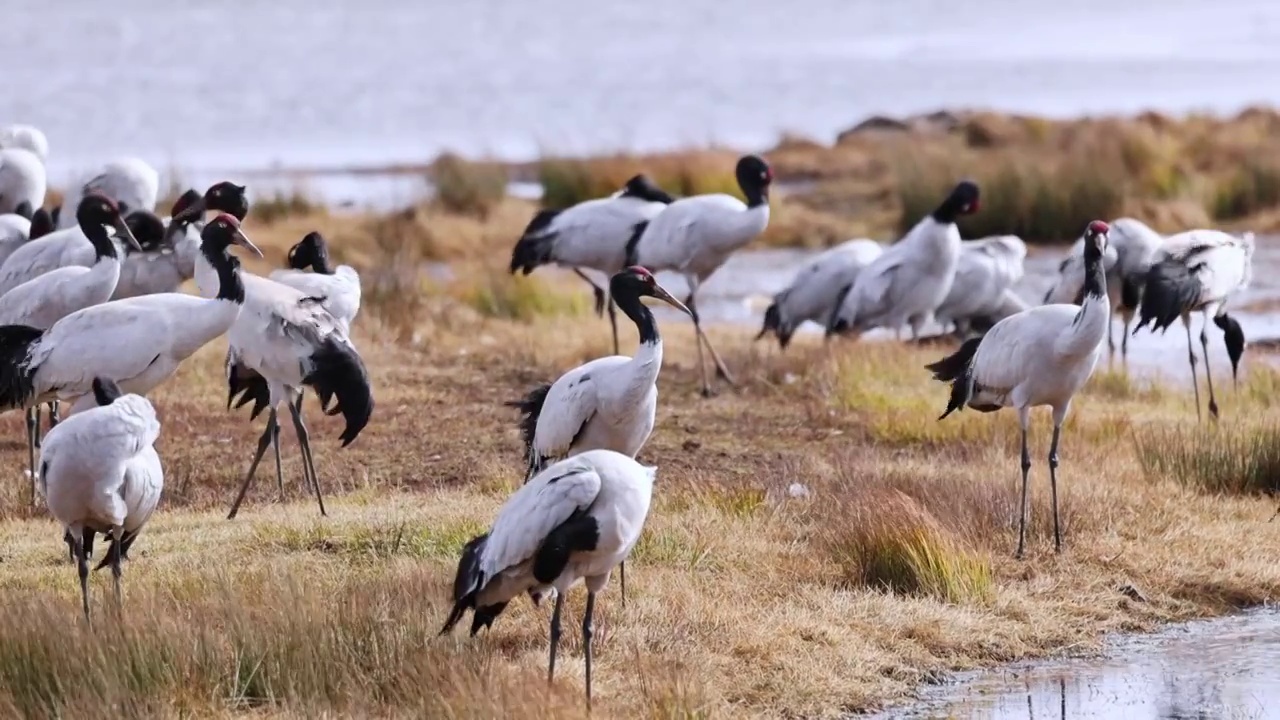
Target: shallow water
741,290
219,86
1223,668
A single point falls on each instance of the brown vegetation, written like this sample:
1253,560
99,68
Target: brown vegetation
745,600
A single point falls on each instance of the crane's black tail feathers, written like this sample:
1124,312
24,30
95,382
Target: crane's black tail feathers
530,407
249,386
125,543
1233,337
535,247
957,369
466,584
17,385
1170,289
338,371
772,322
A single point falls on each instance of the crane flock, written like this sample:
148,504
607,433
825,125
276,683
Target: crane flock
91,313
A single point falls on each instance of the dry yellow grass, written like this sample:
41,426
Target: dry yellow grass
744,601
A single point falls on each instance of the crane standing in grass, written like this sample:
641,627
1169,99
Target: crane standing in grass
985,275
817,287
1042,356
609,403
99,473
906,284
1199,271
695,235
577,519
596,235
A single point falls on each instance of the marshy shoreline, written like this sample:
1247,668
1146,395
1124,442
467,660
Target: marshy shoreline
743,601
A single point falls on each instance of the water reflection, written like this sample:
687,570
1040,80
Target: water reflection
1224,668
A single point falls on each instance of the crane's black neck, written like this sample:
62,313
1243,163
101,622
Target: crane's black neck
1095,277
320,264
757,194
230,285
626,295
103,245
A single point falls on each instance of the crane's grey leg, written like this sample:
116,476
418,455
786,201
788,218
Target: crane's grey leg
1126,317
622,581
702,361
1024,419
597,292
1191,357
117,547
34,412
1053,481
586,640
308,464
613,325
55,416
82,567
275,446
33,429
555,635
721,370
1208,374
263,442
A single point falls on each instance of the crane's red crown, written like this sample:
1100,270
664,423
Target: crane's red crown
642,273
1097,227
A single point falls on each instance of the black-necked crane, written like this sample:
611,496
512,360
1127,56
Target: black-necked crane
694,236
283,341
1131,249
906,284
597,235
22,180
310,271
99,473
577,519
137,343
817,287
1042,356
45,299
609,403
224,197
132,182
987,269
1199,271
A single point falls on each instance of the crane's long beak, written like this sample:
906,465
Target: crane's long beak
239,238
122,230
666,297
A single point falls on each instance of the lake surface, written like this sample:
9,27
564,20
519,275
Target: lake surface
1223,668
239,85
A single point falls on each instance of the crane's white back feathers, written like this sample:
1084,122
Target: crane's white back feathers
695,235
22,179
341,290
127,180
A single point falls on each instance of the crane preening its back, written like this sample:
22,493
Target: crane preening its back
99,473
597,235
577,519
1199,271
1041,356
985,275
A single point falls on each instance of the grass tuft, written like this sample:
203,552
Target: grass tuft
467,188
498,294
1239,458
895,544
